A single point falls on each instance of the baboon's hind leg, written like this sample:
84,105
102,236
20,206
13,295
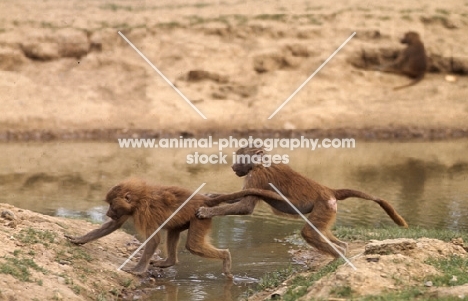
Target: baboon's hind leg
198,245
322,217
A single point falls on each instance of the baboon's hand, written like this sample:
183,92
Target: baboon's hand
204,212
75,239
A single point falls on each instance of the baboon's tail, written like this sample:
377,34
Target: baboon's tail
342,194
414,82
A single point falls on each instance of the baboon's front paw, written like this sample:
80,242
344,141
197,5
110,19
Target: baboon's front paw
203,212
73,239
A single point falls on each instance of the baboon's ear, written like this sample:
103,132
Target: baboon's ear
128,197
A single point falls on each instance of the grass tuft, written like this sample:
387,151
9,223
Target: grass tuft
33,236
454,269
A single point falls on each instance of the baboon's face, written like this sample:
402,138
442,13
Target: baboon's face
120,203
241,169
410,37
244,162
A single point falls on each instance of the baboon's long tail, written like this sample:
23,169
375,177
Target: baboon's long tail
342,194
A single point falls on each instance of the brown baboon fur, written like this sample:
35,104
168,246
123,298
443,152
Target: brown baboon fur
305,194
412,61
152,205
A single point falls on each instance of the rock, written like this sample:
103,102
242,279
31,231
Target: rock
370,34
428,284
61,280
72,43
198,75
8,215
299,50
243,91
390,246
40,50
58,296
272,61
276,295
450,78
52,45
95,42
460,66
12,224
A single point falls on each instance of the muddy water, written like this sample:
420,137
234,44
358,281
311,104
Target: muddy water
426,182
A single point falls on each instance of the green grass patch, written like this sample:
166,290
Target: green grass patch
442,11
342,291
170,25
33,236
365,234
72,254
115,7
271,17
20,268
127,282
409,294
385,18
299,284
76,289
273,279
407,18
201,5
454,269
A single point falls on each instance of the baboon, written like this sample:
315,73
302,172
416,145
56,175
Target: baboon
307,196
412,61
150,206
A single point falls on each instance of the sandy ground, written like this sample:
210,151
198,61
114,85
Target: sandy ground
38,263
63,65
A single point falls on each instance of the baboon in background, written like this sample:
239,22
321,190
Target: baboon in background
307,196
412,61
150,206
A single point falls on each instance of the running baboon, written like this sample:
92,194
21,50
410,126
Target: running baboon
307,196
152,205
412,61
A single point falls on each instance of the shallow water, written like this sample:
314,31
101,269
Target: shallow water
426,182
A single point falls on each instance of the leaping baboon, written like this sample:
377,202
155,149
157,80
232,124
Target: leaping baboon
307,196
150,206
412,61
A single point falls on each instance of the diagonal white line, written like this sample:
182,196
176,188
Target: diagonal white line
160,227
313,74
162,75
313,227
